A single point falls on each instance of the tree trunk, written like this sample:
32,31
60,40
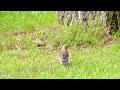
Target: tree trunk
112,21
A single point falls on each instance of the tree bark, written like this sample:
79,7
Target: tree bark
112,21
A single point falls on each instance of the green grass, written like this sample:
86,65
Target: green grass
20,58
25,20
94,63
22,28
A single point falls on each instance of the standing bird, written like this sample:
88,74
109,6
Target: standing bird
63,55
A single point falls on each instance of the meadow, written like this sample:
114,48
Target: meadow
92,54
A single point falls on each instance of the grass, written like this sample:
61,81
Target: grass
22,28
20,58
94,63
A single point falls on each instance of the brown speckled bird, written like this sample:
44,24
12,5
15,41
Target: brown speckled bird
63,55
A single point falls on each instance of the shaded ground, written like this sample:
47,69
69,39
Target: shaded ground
31,36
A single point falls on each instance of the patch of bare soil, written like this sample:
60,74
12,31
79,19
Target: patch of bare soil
84,47
107,40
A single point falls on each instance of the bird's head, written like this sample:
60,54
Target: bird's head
64,47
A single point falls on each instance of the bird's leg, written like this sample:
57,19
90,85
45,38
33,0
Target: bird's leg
65,63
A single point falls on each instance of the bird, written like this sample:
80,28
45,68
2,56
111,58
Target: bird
63,55
39,42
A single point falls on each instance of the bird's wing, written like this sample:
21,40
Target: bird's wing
65,55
